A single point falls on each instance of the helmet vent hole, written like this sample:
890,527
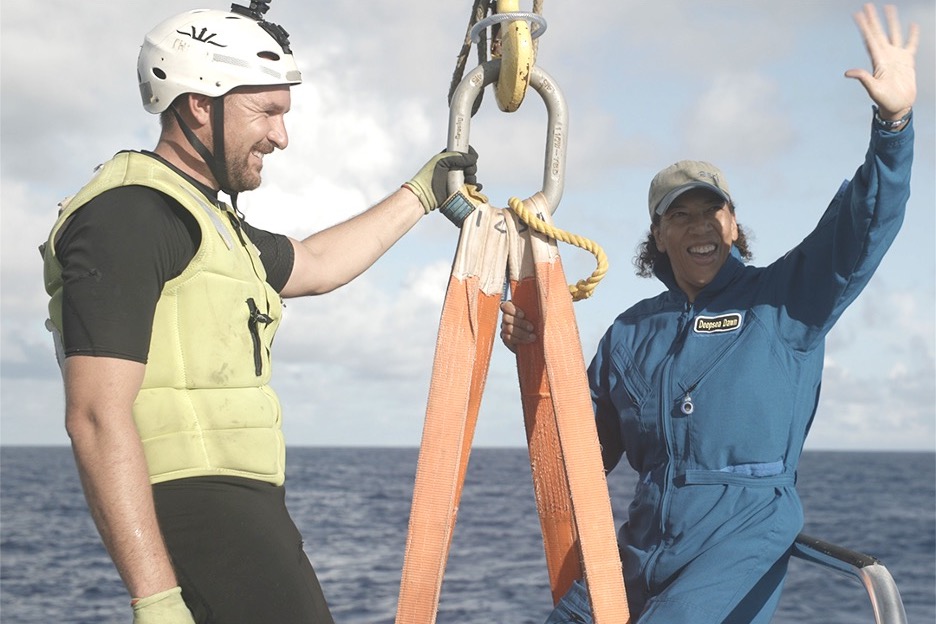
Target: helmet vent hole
269,56
159,73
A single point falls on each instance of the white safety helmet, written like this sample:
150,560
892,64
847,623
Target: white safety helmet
211,52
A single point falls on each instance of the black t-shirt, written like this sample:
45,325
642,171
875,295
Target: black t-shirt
119,250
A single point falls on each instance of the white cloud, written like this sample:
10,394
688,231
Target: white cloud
878,381
738,119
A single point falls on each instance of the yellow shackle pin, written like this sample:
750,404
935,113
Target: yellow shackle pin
515,50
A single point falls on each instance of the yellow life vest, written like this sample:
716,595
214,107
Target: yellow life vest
205,406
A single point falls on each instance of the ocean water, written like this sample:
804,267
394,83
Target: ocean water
352,506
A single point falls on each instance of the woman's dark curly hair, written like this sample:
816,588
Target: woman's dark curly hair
649,257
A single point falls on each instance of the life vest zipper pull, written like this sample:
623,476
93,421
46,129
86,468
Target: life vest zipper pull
256,318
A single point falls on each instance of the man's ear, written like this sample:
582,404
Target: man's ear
197,109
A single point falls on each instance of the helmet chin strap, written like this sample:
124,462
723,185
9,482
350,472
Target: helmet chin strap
218,167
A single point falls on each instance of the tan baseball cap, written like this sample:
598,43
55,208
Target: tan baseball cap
683,176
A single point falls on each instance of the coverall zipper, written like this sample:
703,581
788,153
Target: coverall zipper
666,423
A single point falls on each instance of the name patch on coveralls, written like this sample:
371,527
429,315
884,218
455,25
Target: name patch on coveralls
717,324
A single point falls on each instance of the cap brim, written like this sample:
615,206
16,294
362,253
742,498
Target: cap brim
670,197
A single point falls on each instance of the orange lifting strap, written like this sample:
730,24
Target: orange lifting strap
568,475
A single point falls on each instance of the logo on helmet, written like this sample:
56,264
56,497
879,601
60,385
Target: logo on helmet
202,36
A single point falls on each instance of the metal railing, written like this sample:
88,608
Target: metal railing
882,590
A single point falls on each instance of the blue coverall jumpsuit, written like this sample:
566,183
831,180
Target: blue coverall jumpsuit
711,401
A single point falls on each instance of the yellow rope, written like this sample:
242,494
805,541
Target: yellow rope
583,289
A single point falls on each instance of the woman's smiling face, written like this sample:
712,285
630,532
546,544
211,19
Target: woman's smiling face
696,233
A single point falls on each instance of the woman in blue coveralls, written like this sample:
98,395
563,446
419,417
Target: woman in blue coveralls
716,511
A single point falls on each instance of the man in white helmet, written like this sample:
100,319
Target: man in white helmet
164,302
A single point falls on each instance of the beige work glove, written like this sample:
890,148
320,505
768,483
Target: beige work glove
163,608
430,184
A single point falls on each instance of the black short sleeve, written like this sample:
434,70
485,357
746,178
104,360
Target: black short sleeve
116,254
276,253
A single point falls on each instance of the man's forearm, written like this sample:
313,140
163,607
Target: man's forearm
116,485
109,455
333,257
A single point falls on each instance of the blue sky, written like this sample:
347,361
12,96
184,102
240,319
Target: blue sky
756,87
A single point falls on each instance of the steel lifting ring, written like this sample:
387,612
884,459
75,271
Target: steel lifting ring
498,18
557,119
